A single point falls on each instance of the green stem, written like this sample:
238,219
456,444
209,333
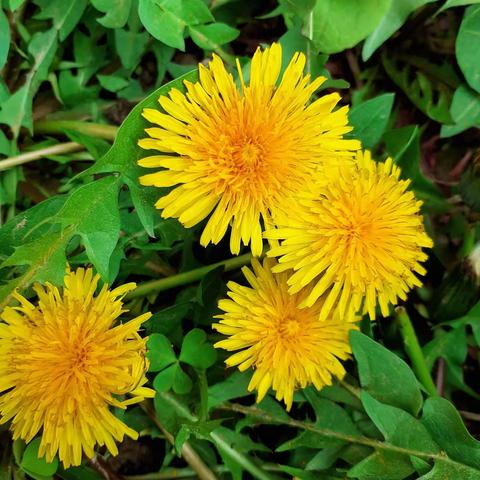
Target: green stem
172,473
185,278
239,458
265,417
203,387
414,351
244,460
58,149
99,130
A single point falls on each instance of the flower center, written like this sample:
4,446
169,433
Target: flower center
250,154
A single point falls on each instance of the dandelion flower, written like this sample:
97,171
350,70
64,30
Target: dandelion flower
359,241
234,153
63,364
288,347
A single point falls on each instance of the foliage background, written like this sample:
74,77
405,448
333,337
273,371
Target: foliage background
71,72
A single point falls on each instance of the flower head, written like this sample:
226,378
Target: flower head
235,153
359,240
288,347
63,364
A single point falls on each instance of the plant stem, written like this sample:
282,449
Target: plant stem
99,130
188,453
414,351
222,445
185,278
58,149
266,417
172,473
203,387
239,458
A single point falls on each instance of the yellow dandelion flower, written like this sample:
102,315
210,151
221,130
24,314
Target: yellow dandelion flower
63,364
288,347
358,242
240,151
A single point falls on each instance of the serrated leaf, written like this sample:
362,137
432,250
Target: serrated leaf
446,427
116,12
160,352
341,24
403,144
395,17
329,416
399,427
64,13
31,462
447,470
467,46
124,153
130,46
382,465
196,351
235,386
17,110
92,211
213,36
370,118
28,225
46,261
428,93
384,375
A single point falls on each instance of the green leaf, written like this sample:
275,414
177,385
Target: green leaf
235,386
384,375
300,8
403,144
196,351
160,352
465,111
78,473
447,470
46,261
429,91
96,147
457,3
161,24
399,427
29,224
14,4
125,152
468,45
31,462
341,24
65,14
92,210
130,46
173,377
17,110
447,429
112,83
395,17
116,12
370,118
382,465
4,38
213,36
329,416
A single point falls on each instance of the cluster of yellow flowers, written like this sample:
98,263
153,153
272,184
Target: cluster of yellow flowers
345,234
